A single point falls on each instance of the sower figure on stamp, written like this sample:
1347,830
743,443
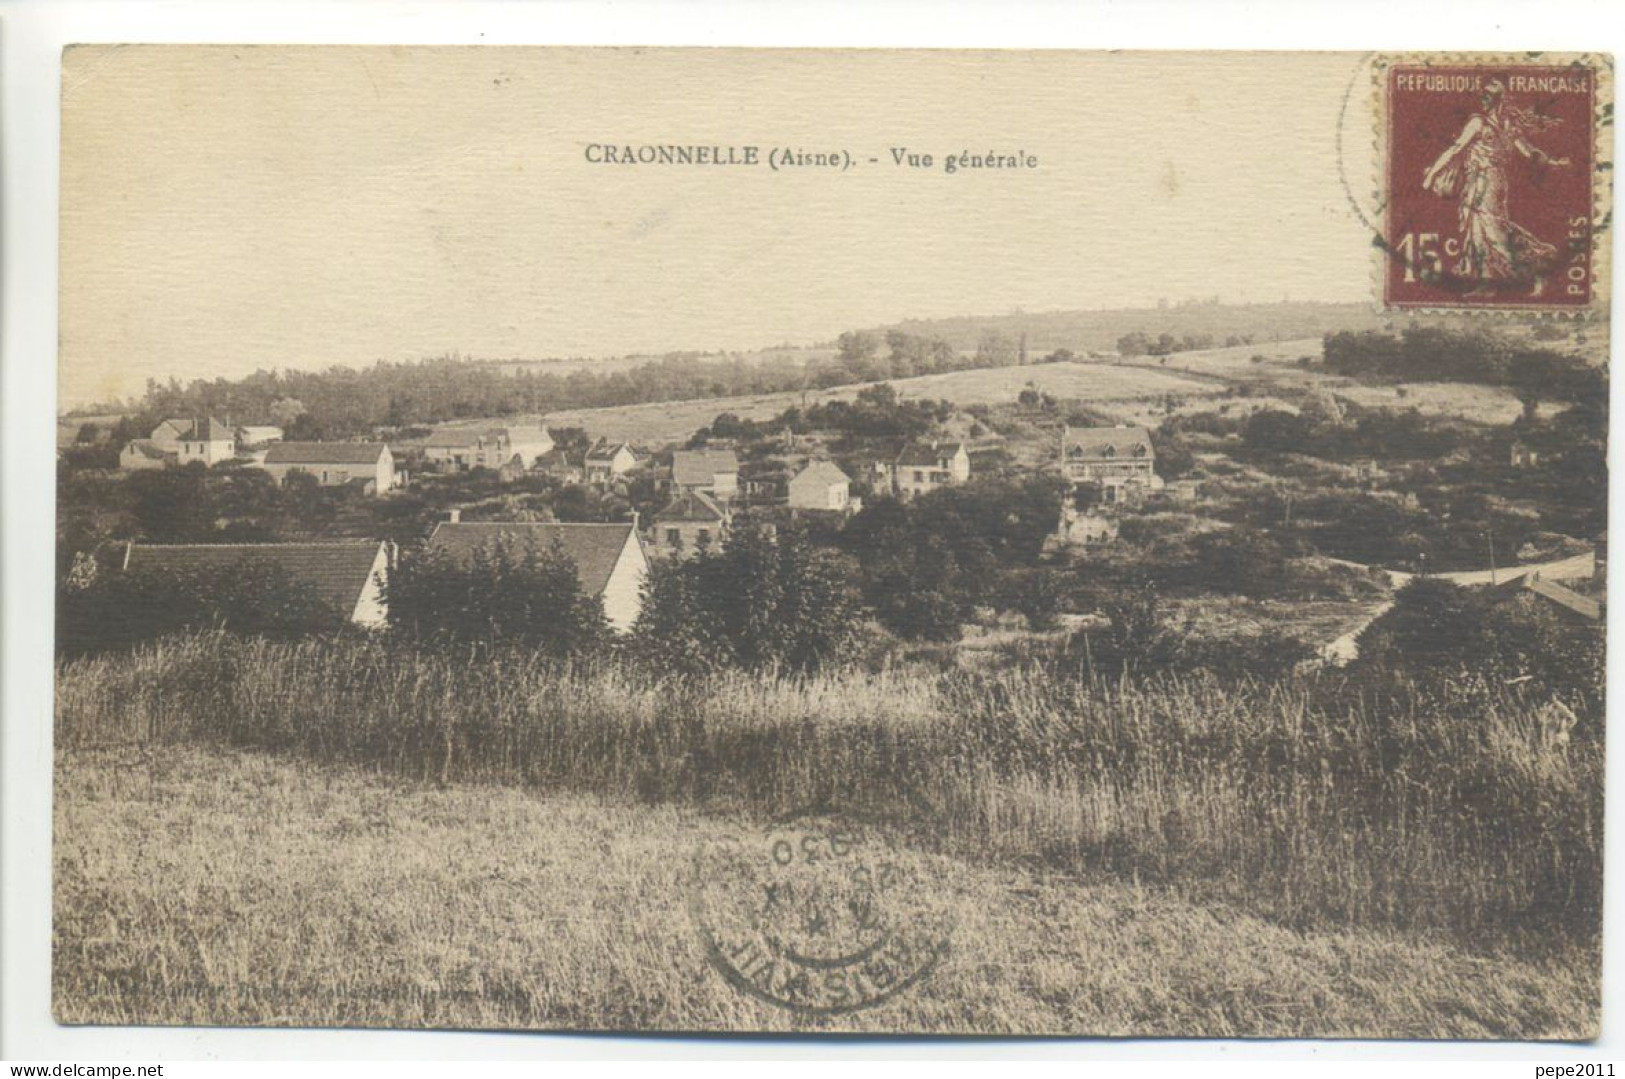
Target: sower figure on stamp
1475,171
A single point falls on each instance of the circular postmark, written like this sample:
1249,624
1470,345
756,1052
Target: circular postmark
821,915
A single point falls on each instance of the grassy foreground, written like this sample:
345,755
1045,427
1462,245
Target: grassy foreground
201,885
1464,812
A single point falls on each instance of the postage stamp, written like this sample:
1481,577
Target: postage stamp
821,915
1489,183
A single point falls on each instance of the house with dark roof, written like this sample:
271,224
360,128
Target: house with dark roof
821,485
350,576
1119,461
609,558
208,440
714,471
607,462
691,522
456,449
334,464
923,467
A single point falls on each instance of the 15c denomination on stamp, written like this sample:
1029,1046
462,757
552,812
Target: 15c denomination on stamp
1489,171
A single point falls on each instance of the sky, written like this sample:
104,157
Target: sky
228,209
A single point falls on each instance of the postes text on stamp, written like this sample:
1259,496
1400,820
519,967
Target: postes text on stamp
1488,177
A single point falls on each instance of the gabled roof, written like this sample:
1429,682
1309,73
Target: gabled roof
823,473
594,548
700,467
324,453
208,430
150,450
180,425
604,451
693,506
336,571
1105,443
922,455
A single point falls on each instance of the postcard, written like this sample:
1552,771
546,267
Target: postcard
816,541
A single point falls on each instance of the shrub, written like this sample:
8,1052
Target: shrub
762,602
508,591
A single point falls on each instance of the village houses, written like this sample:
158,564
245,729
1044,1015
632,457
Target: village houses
714,471
924,467
349,577
821,486
457,449
693,521
606,463
610,559
181,442
1119,462
367,466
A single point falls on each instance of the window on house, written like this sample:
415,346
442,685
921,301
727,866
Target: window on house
919,477
674,537
324,475
705,535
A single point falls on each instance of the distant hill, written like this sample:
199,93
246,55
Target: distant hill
1098,331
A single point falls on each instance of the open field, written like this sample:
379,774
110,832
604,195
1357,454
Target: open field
1092,382
199,886
1461,400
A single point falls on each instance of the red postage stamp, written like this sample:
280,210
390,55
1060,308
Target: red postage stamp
1489,176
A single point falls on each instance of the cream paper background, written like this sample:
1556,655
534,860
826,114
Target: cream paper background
233,208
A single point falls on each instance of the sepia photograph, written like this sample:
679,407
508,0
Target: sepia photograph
819,541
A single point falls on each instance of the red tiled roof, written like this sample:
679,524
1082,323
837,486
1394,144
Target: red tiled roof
594,548
324,453
337,571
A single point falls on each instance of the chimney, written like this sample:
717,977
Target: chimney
635,516
454,515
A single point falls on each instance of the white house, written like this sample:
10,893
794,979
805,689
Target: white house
606,463
350,577
369,465
460,448
923,468
209,441
820,486
609,558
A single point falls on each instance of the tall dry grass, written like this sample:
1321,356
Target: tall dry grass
1463,810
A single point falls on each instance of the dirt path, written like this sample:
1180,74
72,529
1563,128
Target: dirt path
1575,567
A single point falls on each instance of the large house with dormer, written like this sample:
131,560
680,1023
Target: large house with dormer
1119,461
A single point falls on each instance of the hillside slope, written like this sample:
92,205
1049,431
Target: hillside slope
204,887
